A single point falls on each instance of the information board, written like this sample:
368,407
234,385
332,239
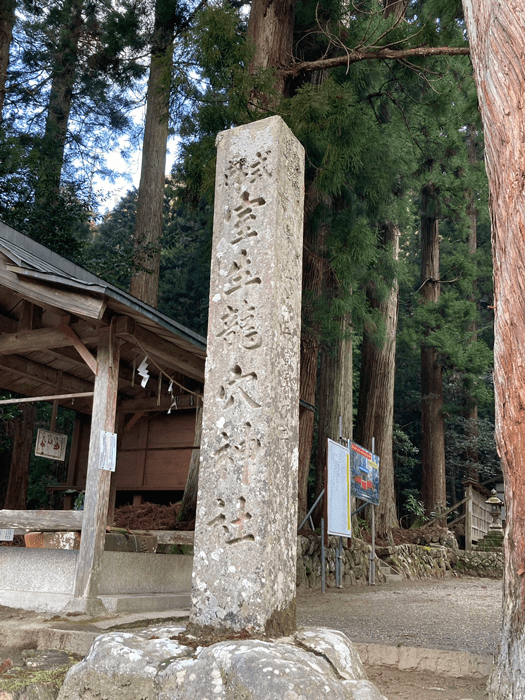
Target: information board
365,474
339,496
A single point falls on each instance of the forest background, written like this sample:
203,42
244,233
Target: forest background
397,286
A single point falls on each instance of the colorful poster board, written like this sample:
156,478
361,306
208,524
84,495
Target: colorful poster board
365,474
50,445
339,490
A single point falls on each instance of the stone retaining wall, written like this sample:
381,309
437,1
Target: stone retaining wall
410,560
476,563
414,561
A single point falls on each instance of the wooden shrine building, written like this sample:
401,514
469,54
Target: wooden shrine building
71,338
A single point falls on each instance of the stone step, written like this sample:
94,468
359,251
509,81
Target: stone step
146,602
391,578
388,572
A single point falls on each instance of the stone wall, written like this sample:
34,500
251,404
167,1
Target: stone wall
410,560
476,563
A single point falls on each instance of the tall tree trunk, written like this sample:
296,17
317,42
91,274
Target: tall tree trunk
335,395
313,271
471,412
270,29
375,413
308,384
17,487
433,486
7,22
65,60
497,33
396,8
150,204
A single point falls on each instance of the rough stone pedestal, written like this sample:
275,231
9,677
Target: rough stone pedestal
154,665
245,534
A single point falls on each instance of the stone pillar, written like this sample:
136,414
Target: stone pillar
246,528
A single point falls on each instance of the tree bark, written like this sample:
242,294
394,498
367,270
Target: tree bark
313,271
471,412
7,22
433,486
270,29
335,396
64,71
18,484
497,33
150,204
396,8
375,413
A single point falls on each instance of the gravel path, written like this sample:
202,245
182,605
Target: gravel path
461,614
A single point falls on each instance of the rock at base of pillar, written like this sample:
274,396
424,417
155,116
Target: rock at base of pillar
154,664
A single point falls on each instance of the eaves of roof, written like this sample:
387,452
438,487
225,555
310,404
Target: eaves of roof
36,260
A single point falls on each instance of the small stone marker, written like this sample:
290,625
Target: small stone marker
246,528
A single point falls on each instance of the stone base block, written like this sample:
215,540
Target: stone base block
146,603
52,540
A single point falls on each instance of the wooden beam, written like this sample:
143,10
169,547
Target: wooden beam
30,316
23,521
43,375
68,353
29,341
134,419
86,332
80,347
150,403
47,293
42,339
167,353
58,397
98,481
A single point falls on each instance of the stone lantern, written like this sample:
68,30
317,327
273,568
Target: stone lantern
495,510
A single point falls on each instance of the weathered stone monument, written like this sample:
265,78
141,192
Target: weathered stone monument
246,529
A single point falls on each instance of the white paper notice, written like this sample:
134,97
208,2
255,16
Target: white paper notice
339,496
108,451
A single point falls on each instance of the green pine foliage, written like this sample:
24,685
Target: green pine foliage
185,255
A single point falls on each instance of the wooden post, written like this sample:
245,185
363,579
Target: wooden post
98,481
468,518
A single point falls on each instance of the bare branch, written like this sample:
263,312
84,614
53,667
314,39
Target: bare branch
354,56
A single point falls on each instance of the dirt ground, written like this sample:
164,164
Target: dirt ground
414,685
452,614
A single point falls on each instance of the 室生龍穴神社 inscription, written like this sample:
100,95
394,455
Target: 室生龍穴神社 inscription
245,535
240,326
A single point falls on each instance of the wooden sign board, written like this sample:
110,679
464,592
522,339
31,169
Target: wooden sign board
50,445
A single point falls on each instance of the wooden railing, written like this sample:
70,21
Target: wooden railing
477,514
22,521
